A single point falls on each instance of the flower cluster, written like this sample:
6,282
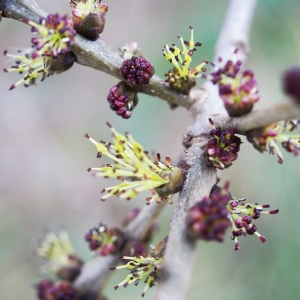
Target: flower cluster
237,89
136,171
122,99
291,83
241,215
136,71
208,219
61,290
182,78
103,240
89,17
55,35
265,139
223,147
61,256
143,268
32,65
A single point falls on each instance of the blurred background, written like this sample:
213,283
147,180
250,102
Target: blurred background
44,156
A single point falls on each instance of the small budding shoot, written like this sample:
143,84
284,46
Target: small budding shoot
237,89
182,78
136,171
89,17
103,240
266,139
143,268
291,83
223,147
32,65
55,35
62,258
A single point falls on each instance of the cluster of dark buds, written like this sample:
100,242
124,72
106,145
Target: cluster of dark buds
89,17
143,268
122,99
61,256
55,35
60,290
104,240
223,147
291,83
265,139
182,78
208,219
136,171
241,215
237,89
136,71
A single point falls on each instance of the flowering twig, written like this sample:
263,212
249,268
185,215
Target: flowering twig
94,54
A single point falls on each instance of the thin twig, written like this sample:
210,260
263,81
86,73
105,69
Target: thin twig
181,250
95,54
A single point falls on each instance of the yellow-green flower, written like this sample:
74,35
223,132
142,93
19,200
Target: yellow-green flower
136,171
182,77
32,65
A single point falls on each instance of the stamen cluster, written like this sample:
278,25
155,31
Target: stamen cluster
136,171
237,89
103,240
223,147
32,64
82,8
56,33
266,139
61,290
182,78
208,219
137,71
141,268
122,99
241,216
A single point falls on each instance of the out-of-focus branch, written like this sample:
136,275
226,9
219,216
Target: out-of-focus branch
94,54
263,117
181,250
94,273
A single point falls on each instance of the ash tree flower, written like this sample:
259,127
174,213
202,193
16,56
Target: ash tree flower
55,34
182,78
89,17
143,268
32,65
241,215
237,89
136,171
61,256
122,99
104,240
223,147
266,139
209,219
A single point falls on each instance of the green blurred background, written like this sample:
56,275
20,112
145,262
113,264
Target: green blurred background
44,157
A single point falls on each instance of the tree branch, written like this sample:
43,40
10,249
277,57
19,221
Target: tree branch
181,250
95,54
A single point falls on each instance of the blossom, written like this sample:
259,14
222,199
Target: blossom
61,256
32,65
136,171
223,147
182,78
83,8
237,89
104,240
55,35
266,139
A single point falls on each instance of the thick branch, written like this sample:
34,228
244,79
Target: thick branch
263,117
181,250
95,54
